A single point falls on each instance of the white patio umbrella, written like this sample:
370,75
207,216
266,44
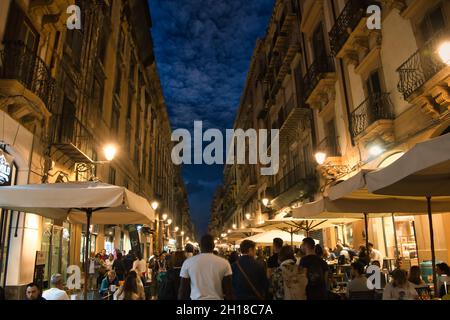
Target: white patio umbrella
266,238
82,202
294,225
237,234
424,172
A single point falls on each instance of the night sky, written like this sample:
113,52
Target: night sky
203,50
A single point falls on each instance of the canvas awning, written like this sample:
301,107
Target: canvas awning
111,204
422,172
83,202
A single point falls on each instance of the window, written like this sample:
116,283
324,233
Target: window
318,43
432,23
130,102
115,116
118,81
97,95
112,175
373,84
128,136
330,129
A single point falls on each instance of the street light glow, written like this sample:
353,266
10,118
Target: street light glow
376,150
176,229
155,205
444,52
248,216
110,151
164,216
320,157
182,233
234,226
265,201
169,222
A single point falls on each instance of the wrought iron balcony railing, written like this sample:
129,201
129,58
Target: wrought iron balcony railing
347,21
70,134
19,63
420,67
376,107
316,72
302,172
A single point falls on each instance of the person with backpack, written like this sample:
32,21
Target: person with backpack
249,277
316,270
288,283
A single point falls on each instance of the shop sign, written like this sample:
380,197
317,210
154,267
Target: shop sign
5,171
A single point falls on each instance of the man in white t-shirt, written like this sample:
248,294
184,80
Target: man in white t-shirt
375,255
207,275
56,292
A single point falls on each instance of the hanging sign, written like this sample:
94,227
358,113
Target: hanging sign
5,170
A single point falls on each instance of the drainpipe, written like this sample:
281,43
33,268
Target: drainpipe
344,84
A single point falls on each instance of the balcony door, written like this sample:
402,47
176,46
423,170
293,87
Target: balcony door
67,125
374,90
318,43
21,42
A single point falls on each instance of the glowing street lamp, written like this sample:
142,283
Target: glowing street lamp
182,233
320,157
110,151
169,222
164,216
155,205
444,52
234,226
265,201
248,216
176,229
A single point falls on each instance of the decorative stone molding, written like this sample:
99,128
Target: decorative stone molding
428,106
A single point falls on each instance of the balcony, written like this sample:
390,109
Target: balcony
301,182
26,79
71,141
374,117
292,117
319,81
288,15
424,78
352,18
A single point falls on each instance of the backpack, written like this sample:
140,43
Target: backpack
294,282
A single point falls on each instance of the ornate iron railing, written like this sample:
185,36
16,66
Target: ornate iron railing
347,21
316,72
420,67
70,130
376,107
302,172
22,64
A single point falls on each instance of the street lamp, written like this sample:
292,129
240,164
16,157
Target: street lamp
155,205
110,151
265,201
234,226
182,233
248,216
444,52
176,229
164,216
320,157
169,222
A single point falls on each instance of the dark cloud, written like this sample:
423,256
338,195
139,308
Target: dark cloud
203,50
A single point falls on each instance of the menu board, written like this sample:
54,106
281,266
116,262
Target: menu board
134,239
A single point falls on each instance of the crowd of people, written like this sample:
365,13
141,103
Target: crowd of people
290,273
